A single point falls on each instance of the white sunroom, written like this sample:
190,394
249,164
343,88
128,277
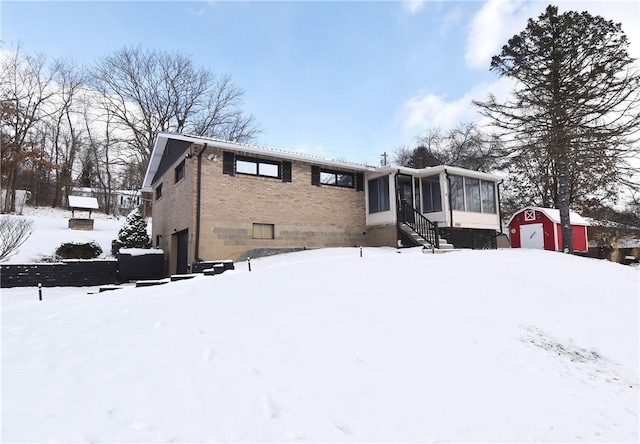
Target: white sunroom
463,204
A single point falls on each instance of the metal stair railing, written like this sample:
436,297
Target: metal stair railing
417,222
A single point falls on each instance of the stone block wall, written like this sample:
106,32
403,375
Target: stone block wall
69,273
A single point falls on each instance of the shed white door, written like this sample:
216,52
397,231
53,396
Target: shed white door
531,236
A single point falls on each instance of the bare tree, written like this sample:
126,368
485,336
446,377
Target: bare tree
25,92
148,91
14,231
64,129
464,146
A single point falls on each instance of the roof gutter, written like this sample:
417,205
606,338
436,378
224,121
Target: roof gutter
198,204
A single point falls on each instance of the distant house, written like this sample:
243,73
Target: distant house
123,200
22,198
214,199
540,228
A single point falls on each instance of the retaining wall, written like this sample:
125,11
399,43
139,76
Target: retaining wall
66,273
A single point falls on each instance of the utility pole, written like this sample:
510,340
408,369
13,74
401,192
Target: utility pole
384,158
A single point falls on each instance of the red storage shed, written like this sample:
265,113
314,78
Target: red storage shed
535,227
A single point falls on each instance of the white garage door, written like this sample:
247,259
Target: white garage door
532,236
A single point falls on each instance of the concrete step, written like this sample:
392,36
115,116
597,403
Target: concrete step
181,277
151,282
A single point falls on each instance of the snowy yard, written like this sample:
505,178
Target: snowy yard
51,230
325,346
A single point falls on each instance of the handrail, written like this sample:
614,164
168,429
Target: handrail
418,223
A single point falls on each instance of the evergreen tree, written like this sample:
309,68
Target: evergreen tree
573,117
133,233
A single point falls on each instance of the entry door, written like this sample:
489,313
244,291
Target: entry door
532,236
182,256
405,194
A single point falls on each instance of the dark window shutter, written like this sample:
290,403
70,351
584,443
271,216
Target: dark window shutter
286,171
315,175
359,182
228,161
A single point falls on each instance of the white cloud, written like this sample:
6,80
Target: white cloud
498,20
428,110
493,25
413,6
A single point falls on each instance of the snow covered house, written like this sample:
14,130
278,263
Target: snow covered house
540,228
215,199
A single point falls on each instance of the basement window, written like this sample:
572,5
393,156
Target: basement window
263,231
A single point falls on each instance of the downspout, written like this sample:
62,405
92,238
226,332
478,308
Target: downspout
450,203
395,182
198,205
499,207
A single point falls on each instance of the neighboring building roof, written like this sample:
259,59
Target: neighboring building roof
88,203
164,137
554,215
628,243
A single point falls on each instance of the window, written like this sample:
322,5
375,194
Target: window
263,231
379,194
431,196
158,191
333,178
457,193
179,172
472,194
257,167
232,165
488,197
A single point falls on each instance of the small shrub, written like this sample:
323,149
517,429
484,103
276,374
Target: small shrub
133,233
72,250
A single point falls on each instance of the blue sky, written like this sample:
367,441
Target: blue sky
343,80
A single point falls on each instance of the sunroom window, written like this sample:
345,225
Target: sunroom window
379,194
473,195
431,197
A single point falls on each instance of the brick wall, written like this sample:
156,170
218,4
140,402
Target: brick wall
175,210
303,215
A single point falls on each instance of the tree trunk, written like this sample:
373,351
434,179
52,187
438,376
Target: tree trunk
563,206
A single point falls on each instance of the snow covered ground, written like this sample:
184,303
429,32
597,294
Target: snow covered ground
51,230
325,346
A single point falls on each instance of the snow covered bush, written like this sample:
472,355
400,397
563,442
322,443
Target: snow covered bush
133,233
78,250
14,231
